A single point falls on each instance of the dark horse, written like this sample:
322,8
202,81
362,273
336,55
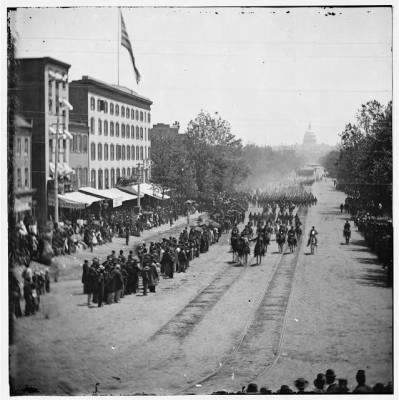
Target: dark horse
243,250
347,235
280,238
235,243
259,250
291,242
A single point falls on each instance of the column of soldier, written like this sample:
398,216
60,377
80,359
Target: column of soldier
109,281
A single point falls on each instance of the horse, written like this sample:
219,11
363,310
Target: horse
313,244
280,238
266,239
347,235
291,242
243,251
235,241
298,231
259,250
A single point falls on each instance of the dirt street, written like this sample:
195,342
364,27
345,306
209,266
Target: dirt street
220,325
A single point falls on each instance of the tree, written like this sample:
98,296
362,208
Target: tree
171,165
216,154
365,160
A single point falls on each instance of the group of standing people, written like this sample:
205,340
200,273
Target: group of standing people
109,281
35,284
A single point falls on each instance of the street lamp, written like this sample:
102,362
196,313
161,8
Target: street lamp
64,104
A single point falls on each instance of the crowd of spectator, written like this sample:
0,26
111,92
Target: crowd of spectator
376,227
35,284
109,281
87,231
324,383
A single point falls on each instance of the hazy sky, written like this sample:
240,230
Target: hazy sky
269,71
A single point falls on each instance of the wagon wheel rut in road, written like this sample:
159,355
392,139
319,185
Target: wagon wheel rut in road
259,344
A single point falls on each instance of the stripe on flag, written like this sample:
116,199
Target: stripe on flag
125,42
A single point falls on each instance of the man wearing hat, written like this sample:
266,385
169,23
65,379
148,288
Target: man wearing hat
319,383
331,382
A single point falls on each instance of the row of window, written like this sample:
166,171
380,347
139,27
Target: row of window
118,152
125,112
54,88
103,177
79,144
18,150
125,131
19,178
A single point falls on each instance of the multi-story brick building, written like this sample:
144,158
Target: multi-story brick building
79,154
23,166
42,97
118,121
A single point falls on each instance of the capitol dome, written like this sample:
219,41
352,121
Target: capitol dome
309,139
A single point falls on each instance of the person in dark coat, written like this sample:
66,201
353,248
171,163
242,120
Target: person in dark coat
15,295
91,285
47,280
167,263
118,279
127,233
100,285
182,257
85,276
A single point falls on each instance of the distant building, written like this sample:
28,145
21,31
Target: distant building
42,87
118,120
23,167
309,138
161,130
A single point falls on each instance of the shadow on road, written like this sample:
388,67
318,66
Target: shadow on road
358,242
376,277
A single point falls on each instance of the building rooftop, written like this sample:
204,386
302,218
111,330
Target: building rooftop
88,80
46,60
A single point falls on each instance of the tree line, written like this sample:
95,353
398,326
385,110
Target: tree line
209,159
362,165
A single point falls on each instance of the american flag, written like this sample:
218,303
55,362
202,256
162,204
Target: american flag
125,42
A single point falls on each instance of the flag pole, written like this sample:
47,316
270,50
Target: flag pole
119,31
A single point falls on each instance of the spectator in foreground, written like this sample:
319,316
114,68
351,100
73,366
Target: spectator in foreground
301,384
361,383
342,386
330,381
284,389
319,383
252,388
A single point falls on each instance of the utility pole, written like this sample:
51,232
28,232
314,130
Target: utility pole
138,185
56,217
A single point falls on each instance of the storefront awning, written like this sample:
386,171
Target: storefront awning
151,190
125,196
116,198
130,189
74,200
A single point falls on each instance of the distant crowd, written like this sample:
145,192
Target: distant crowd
325,383
376,227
